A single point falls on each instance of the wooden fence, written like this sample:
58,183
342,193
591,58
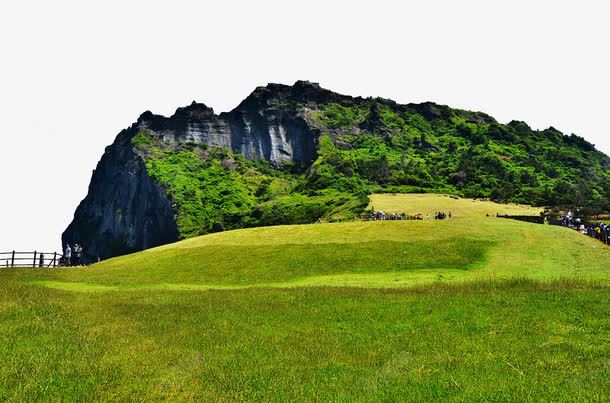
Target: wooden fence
31,259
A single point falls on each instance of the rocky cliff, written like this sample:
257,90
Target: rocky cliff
126,211
297,153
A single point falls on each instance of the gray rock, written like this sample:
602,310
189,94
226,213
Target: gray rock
126,211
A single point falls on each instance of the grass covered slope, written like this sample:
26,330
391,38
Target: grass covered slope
346,311
470,246
380,254
213,189
460,208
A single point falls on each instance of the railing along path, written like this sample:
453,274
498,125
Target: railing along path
31,259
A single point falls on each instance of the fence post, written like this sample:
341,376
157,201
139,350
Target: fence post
13,260
34,264
54,258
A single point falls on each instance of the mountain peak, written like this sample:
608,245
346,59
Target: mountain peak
307,84
193,109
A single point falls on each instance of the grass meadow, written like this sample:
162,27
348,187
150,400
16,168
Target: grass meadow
471,308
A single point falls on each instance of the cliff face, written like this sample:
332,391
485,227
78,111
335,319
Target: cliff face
126,211
259,128
167,178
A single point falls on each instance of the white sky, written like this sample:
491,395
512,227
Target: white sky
74,73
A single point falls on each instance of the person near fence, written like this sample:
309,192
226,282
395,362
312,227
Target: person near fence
67,255
80,255
78,250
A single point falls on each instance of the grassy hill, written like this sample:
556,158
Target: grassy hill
469,308
460,208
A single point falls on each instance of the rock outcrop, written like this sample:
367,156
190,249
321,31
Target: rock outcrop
126,211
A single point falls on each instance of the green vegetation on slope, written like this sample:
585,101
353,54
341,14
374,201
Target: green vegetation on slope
214,189
203,189
414,147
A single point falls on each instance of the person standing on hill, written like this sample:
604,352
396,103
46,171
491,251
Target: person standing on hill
67,255
78,250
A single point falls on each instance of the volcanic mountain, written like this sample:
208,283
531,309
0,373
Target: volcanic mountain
296,154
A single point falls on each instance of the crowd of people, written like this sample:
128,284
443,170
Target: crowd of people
441,216
385,216
73,255
599,230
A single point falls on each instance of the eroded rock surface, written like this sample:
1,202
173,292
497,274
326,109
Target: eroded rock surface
126,211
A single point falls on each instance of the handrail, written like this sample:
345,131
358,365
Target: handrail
33,259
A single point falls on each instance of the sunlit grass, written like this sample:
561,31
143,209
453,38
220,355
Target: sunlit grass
363,254
471,308
459,207
474,341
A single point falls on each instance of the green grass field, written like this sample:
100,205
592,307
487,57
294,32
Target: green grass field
460,208
469,308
